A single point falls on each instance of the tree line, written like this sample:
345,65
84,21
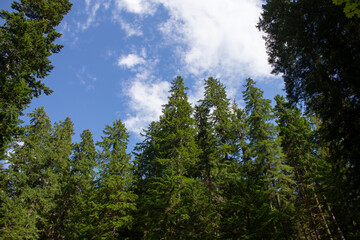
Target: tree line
213,171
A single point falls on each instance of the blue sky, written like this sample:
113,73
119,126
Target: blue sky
119,57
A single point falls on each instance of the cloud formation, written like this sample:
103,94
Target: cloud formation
217,36
136,6
91,10
130,60
146,100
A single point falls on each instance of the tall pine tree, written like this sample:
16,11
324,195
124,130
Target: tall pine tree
267,170
174,204
114,201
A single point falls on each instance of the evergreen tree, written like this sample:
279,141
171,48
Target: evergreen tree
207,166
32,182
316,48
173,204
61,149
114,201
82,187
240,199
311,173
215,137
219,149
216,101
267,171
27,41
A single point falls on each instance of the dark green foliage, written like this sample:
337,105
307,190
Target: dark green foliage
26,43
351,7
215,99
81,187
220,173
35,178
114,200
317,49
53,189
172,204
267,170
207,166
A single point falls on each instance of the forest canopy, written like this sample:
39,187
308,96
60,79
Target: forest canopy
210,171
218,169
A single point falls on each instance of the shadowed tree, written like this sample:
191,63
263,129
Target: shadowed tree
316,48
26,43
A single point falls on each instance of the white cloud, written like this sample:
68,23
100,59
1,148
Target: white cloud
209,36
146,100
217,36
142,7
130,29
91,10
130,60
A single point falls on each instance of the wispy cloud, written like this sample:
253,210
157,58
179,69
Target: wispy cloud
130,60
86,79
145,92
143,7
130,29
91,11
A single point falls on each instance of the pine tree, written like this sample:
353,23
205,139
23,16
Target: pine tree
302,153
61,144
83,187
173,204
27,41
32,182
267,171
114,201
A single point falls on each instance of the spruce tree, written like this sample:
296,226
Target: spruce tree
32,181
215,137
27,41
83,187
310,171
173,203
267,170
114,201
61,144
216,101
316,49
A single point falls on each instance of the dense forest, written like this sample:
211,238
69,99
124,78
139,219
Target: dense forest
281,169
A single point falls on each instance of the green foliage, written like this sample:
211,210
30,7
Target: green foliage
81,188
267,169
114,200
26,43
351,7
316,49
221,172
34,178
172,204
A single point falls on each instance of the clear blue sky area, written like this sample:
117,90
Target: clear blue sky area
120,56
